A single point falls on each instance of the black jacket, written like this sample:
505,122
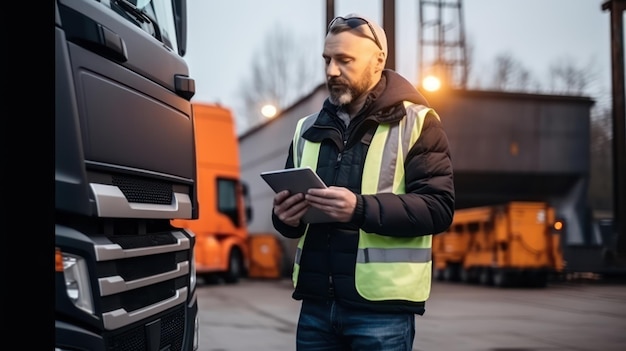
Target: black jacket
328,259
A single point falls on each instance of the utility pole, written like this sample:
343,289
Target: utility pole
330,13
616,8
389,25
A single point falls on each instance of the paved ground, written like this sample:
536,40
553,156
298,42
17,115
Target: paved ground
258,315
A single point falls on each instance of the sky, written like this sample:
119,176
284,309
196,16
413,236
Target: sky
224,36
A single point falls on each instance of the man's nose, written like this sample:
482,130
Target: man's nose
332,70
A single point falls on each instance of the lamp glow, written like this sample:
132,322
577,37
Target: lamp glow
268,111
431,83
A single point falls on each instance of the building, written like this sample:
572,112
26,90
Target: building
505,146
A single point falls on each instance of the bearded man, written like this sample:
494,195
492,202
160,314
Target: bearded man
364,276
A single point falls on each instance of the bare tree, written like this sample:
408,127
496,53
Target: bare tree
523,79
511,75
283,70
505,66
567,78
601,167
468,63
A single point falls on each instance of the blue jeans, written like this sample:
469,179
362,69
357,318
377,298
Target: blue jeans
327,326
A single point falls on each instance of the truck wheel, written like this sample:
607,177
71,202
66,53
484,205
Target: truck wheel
235,267
464,275
439,274
501,278
469,275
484,276
538,279
451,273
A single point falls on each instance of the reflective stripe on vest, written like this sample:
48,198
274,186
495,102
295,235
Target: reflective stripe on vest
387,268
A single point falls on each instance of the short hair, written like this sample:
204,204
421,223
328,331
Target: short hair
376,33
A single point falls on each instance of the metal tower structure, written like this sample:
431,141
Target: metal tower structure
442,50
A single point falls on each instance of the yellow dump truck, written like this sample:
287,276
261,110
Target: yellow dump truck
517,243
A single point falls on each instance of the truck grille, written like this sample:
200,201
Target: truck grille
142,275
144,191
171,330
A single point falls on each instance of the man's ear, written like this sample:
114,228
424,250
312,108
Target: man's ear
381,60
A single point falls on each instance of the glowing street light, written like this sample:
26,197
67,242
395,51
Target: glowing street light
268,111
431,83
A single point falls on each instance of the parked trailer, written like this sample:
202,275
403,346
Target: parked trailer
517,243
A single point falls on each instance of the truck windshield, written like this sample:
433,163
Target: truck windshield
156,17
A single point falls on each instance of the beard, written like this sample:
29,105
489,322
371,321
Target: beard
342,92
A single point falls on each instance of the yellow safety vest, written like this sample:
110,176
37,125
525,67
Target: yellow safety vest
387,268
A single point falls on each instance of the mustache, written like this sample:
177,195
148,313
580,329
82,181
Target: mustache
337,81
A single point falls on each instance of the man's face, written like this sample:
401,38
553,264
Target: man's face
350,66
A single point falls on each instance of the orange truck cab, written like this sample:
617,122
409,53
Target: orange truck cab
221,249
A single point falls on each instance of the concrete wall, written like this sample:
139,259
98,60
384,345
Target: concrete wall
265,148
516,133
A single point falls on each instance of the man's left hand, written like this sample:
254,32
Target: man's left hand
337,202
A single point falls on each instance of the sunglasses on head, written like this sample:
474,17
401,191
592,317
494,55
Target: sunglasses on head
354,22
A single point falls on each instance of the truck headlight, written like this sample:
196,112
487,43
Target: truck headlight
77,281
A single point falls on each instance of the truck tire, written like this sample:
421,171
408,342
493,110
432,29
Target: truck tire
501,278
439,274
537,279
469,275
235,267
485,276
452,272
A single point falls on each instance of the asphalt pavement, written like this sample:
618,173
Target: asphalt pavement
260,315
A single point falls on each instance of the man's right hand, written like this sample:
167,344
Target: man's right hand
289,209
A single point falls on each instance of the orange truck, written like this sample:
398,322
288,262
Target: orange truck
221,249
517,243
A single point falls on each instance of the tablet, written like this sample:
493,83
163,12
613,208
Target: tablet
298,180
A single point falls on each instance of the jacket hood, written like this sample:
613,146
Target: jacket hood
396,89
